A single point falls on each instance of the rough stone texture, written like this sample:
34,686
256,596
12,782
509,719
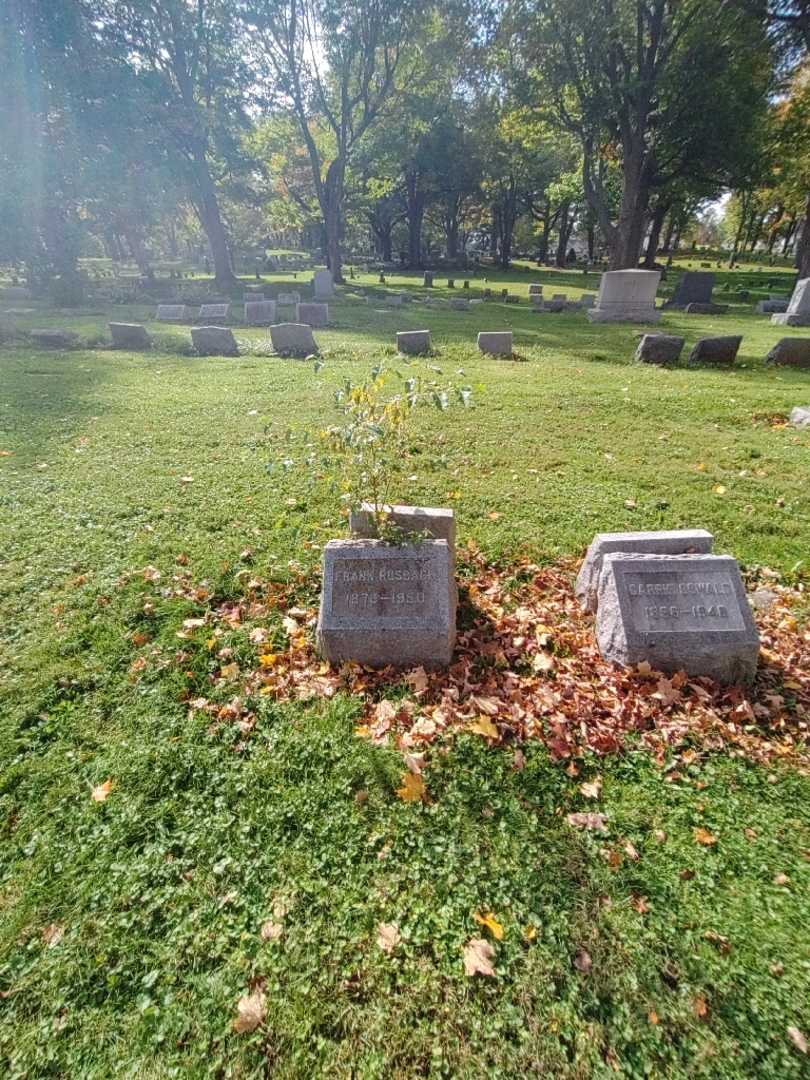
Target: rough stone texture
716,350
790,352
214,341
312,314
535,289
707,309
627,296
659,348
293,339
214,311
679,613
260,312
324,285
693,288
438,522
496,342
460,305
800,416
384,604
54,339
772,307
672,542
413,342
288,299
129,336
798,310
171,313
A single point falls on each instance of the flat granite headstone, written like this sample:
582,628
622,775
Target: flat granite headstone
460,305
214,341
800,416
293,339
413,342
627,296
707,309
659,348
587,300
663,542
772,307
679,613
129,336
171,313
496,342
324,285
438,522
260,312
312,314
288,299
54,339
694,287
716,350
552,305
535,289
383,604
798,310
214,311
790,352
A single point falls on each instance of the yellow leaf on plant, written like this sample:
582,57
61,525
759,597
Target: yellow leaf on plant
488,920
530,933
413,788
484,726
268,659
719,489
100,793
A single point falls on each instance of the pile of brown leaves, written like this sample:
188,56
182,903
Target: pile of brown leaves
526,668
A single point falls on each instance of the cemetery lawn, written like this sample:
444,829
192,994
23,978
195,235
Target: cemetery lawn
156,867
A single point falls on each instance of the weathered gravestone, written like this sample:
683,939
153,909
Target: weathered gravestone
559,296
800,416
293,339
790,352
460,305
707,309
171,313
627,296
678,613
716,350
413,342
129,336
693,288
772,307
214,341
535,289
659,348
798,310
437,523
214,311
54,339
288,299
260,312
387,604
312,314
496,342
324,285
663,542
587,300
427,280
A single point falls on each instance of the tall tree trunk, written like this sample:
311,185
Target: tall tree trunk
788,237
740,229
136,246
207,208
494,231
415,208
564,231
803,244
656,225
625,250
332,210
545,221
666,247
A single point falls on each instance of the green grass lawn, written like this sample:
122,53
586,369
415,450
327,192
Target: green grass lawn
131,927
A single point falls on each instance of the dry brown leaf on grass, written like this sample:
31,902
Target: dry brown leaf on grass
588,821
388,936
53,934
798,1039
700,1007
703,836
478,957
591,789
250,1012
101,791
271,931
413,788
583,961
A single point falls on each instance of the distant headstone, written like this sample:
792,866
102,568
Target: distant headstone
171,313
773,307
559,296
386,604
716,350
214,341
129,336
451,284
626,296
659,348
587,300
460,305
800,416
437,523
214,311
54,339
312,314
288,299
496,342
536,300
798,310
465,284
535,289
324,285
260,312
678,613
672,542
707,309
694,287
487,294
427,280
413,342
293,339
790,352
